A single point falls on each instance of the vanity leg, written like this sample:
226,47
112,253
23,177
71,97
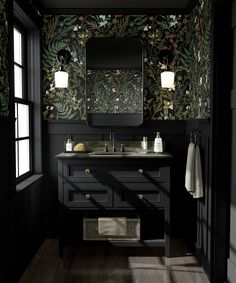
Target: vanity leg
60,248
167,246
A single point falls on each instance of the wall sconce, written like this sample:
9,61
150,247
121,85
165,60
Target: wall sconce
61,77
167,77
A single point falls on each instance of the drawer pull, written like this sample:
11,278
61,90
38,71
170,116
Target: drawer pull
87,196
87,171
140,171
140,196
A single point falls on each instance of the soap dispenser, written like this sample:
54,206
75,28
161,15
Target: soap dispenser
158,146
69,145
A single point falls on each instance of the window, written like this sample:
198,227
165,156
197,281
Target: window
23,136
27,95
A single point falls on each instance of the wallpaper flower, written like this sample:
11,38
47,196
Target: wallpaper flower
114,91
200,46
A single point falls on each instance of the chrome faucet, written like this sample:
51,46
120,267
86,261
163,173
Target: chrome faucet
112,139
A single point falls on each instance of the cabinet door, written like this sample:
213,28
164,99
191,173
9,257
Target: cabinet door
140,195
87,195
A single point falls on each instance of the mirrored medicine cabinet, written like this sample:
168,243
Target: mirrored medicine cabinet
114,81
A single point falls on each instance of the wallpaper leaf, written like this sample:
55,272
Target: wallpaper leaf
64,111
50,30
50,54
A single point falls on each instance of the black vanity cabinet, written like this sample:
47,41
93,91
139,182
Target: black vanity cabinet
134,189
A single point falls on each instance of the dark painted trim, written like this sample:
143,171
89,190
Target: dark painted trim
117,11
233,99
5,125
231,271
135,11
234,15
29,9
34,89
221,126
80,127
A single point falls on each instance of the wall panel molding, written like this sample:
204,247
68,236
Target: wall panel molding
233,99
234,14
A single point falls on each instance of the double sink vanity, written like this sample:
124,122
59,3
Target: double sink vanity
118,196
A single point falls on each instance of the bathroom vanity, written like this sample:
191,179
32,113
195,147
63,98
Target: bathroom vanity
115,198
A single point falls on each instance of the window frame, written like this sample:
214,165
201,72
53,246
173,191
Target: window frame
24,101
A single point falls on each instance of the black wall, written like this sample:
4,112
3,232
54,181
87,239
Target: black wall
221,140
21,214
231,276
5,207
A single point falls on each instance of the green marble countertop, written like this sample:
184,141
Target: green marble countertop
132,149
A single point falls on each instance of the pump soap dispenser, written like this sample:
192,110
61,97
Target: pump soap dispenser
158,146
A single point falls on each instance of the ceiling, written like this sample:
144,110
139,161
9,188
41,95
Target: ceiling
118,4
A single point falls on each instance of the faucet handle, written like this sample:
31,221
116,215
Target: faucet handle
122,148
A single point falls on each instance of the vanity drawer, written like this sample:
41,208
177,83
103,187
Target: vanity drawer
113,172
85,172
88,195
138,173
139,195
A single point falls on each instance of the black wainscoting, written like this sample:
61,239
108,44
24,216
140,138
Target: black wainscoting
27,226
231,276
5,204
221,140
184,209
21,213
204,206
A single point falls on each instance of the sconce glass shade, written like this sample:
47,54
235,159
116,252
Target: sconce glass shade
168,79
61,79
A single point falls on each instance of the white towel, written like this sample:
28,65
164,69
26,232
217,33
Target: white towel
190,169
112,226
198,185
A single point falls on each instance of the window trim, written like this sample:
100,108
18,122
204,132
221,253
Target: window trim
24,100
24,65
30,138
32,24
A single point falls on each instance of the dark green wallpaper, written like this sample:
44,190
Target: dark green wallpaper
4,63
114,91
200,68
180,33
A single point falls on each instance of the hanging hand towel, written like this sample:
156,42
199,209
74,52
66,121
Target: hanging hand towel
190,169
198,185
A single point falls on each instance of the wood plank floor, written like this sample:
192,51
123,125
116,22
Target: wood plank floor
113,265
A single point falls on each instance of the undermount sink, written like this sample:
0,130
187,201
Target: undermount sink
116,153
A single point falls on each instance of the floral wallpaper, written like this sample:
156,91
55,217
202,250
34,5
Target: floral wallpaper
4,64
179,33
200,68
114,91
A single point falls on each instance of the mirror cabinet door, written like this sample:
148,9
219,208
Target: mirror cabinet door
114,81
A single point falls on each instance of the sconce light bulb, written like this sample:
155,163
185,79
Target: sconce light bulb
168,79
61,79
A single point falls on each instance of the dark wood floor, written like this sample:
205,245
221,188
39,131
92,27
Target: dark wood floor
113,265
